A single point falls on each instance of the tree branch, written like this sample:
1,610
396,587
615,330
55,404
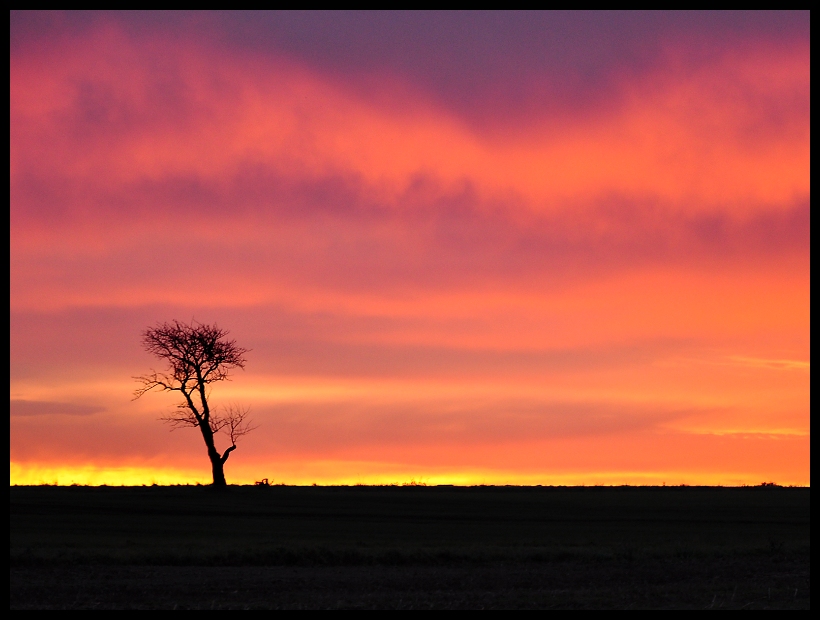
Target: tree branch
227,453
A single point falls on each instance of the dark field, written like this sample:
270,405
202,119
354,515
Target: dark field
410,547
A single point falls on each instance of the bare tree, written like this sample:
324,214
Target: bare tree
197,355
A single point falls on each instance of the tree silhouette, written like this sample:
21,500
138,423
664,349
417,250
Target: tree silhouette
197,355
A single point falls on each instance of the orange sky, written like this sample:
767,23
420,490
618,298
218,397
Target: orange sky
484,264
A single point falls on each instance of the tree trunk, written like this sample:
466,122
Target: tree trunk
218,470
217,463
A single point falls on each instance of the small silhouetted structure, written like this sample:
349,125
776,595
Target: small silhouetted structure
197,355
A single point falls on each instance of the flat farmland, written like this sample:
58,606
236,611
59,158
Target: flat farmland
409,547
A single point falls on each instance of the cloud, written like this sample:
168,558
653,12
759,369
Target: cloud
267,175
115,113
771,363
28,408
447,243
343,424
488,69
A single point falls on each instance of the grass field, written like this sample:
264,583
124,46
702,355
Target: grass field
409,547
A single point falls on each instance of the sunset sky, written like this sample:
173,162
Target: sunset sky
499,248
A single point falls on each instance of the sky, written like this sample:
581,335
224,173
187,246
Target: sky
462,248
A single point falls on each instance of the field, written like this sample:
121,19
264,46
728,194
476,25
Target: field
409,547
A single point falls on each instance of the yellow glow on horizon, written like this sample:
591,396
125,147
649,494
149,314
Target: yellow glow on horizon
96,475
351,473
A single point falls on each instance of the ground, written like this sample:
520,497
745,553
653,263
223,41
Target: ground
409,547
